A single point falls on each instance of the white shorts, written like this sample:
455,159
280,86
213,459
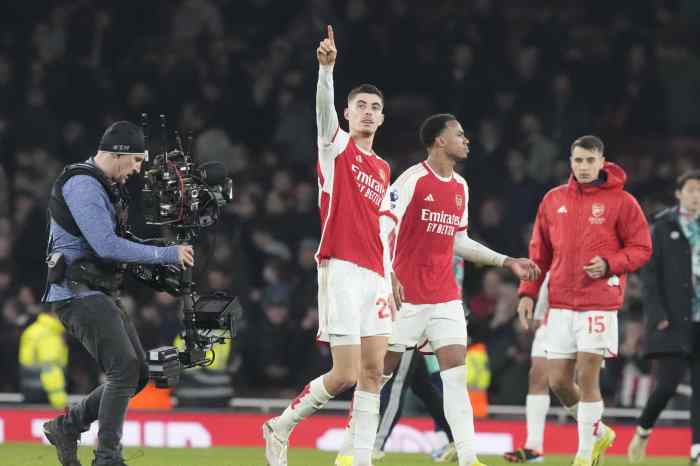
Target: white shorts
436,325
539,343
570,332
352,303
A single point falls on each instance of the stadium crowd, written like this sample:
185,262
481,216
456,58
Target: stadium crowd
524,80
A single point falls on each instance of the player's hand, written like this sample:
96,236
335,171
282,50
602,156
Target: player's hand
397,291
536,324
526,306
596,268
663,325
326,51
392,306
523,268
185,254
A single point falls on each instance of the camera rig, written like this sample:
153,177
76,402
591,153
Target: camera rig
184,197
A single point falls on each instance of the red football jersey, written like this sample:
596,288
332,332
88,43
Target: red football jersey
429,211
352,184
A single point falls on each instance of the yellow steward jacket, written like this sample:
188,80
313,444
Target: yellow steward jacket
43,357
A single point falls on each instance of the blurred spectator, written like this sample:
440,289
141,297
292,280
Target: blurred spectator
461,86
43,358
483,305
565,114
508,346
641,108
264,346
542,152
520,193
306,289
490,224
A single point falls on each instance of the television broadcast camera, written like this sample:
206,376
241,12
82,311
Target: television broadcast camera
184,197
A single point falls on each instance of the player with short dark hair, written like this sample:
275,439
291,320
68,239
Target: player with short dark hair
427,211
353,297
432,127
365,89
588,234
590,143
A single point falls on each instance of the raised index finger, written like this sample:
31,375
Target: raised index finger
331,35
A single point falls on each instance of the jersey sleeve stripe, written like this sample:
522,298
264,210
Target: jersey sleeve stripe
337,130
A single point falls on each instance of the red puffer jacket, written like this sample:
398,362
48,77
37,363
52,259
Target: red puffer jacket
576,222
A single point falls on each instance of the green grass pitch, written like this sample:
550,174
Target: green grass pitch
40,455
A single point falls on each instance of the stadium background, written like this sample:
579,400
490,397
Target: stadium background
524,79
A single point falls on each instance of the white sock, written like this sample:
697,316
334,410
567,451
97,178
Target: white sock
536,407
642,432
695,450
589,414
346,445
366,419
572,410
458,412
310,400
346,448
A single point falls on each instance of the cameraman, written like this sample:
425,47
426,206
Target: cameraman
86,264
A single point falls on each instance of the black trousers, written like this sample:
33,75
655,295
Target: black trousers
108,334
668,372
410,373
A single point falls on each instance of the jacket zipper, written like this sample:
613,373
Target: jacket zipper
577,227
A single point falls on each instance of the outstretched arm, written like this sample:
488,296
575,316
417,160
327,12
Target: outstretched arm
477,253
88,203
326,116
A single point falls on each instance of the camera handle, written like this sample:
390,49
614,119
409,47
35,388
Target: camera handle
193,354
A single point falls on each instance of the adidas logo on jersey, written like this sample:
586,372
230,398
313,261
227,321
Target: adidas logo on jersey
562,210
429,198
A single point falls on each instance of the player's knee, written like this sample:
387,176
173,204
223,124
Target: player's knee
391,362
560,383
341,379
371,374
538,379
345,383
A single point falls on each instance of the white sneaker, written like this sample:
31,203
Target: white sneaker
637,449
275,447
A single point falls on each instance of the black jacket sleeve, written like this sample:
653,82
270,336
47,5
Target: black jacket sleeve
655,305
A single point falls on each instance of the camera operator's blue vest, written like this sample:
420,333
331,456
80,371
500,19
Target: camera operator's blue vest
58,209
87,269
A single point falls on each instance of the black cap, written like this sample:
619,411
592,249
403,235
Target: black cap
123,137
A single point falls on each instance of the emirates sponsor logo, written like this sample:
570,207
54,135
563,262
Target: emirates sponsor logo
442,223
370,187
